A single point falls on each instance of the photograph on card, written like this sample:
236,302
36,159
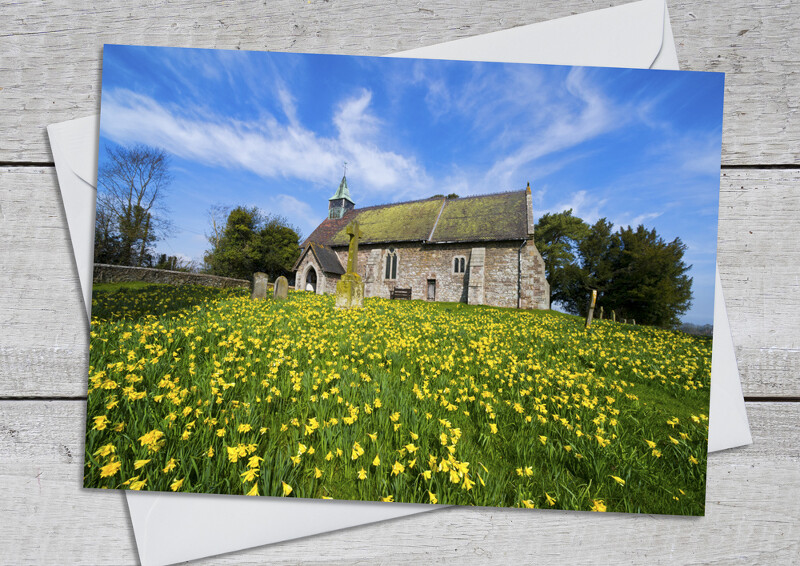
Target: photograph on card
403,280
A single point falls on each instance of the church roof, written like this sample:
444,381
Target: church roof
326,258
493,217
342,191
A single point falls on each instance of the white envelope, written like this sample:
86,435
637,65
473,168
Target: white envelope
171,528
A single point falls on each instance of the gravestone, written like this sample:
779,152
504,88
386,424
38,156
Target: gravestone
601,312
281,290
260,281
350,288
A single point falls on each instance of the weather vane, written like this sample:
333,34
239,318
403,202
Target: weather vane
345,168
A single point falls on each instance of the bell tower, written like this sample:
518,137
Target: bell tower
341,202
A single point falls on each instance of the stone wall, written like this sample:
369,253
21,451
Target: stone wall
104,273
498,273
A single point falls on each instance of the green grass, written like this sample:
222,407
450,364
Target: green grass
477,405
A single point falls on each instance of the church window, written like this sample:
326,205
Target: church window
391,264
459,264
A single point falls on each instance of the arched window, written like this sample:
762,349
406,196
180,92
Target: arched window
391,264
459,264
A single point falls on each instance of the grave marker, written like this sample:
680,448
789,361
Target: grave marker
350,288
260,281
281,289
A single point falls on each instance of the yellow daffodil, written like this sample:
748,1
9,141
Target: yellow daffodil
105,450
100,422
598,505
170,466
110,469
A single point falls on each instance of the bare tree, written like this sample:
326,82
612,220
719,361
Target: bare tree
217,218
131,184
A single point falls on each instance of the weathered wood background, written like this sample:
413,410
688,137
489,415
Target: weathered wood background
50,55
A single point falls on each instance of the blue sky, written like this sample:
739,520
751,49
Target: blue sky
273,130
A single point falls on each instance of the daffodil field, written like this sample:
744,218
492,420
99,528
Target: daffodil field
204,390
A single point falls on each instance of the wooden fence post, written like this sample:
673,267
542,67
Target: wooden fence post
592,302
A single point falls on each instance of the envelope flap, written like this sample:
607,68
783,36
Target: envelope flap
622,36
73,138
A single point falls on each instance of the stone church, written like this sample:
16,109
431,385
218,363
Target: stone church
477,250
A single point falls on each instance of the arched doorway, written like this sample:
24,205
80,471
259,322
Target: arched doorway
311,279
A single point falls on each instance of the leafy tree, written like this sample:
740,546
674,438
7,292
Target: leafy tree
595,270
635,272
557,236
650,282
250,242
107,242
131,184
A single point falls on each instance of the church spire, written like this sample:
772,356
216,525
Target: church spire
343,192
341,201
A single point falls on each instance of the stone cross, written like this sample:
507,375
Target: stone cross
355,233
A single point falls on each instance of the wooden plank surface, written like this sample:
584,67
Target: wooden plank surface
45,348
50,52
749,518
50,71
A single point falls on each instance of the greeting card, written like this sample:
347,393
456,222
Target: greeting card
403,280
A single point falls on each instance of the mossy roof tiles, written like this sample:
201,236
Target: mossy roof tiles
401,222
500,216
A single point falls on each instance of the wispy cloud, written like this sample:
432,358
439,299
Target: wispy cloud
593,115
268,147
296,210
583,204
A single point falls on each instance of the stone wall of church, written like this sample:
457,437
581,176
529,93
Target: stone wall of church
495,273
419,265
326,283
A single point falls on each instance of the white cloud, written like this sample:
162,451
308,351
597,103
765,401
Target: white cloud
268,147
593,115
296,212
583,206
643,218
